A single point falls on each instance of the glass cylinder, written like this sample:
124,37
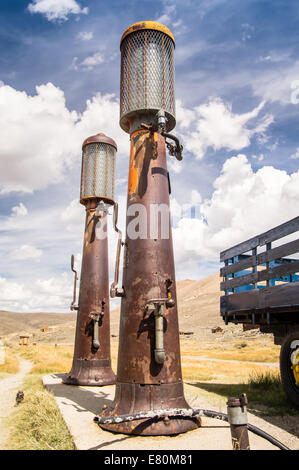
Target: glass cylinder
147,73
98,168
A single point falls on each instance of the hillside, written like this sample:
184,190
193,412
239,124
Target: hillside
198,304
11,322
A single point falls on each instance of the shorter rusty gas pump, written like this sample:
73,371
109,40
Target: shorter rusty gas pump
91,361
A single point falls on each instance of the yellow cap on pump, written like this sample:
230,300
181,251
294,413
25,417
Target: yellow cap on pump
147,25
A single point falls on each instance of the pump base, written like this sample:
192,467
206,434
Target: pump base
92,373
131,398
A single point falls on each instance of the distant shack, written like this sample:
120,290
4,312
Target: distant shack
44,329
24,340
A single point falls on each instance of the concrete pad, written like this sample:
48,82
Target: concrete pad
79,405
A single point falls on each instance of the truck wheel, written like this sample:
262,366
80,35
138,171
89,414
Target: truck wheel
289,367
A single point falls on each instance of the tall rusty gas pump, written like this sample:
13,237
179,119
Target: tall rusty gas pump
91,361
149,374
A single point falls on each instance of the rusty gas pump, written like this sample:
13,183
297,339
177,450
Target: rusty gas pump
149,374
91,361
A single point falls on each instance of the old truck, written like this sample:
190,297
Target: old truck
261,289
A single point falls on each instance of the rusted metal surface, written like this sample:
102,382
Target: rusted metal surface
92,364
99,138
237,418
148,273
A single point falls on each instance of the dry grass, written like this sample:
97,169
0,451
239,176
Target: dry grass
219,372
11,362
240,351
221,378
37,423
264,391
47,358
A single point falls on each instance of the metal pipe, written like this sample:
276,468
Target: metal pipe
159,340
96,340
186,413
73,306
96,317
238,420
114,290
174,150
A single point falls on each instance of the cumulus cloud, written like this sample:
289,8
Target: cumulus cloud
41,138
214,125
243,204
13,295
56,10
55,234
19,211
50,295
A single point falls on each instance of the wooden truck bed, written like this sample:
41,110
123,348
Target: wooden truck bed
261,282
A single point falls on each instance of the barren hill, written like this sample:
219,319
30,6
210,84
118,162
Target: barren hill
198,307
11,322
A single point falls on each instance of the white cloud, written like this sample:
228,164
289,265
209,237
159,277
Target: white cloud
274,57
214,125
279,83
169,12
13,295
57,232
259,157
41,138
244,203
47,295
26,252
85,35
92,61
19,211
296,154
57,10
73,215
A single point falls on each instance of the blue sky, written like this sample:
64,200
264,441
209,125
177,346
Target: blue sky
237,90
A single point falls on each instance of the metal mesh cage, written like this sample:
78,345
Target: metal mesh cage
147,76
98,171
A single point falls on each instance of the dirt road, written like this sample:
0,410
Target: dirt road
8,389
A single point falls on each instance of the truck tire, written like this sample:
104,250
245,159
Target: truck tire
289,375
